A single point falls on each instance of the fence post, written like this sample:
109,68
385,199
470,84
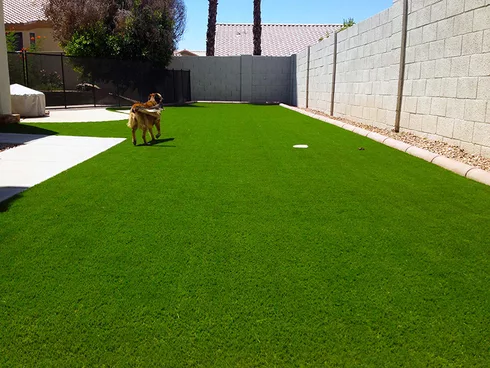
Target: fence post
182,85
401,76
118,95
63,77
308,77
190,93
93,89
334,74
173,83
27,68
24,68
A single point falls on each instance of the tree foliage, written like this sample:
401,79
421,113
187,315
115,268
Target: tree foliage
146,30
346,24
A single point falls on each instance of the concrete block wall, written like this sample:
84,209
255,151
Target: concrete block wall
447,88
446,93
320,76
271,79
212,78
238,78
300,70
368,62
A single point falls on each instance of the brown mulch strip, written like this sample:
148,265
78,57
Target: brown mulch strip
441,148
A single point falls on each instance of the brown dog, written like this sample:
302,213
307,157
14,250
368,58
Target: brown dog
145,116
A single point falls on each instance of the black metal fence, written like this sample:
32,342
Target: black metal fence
73,81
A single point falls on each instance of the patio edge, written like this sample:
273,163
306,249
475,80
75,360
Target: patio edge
447,163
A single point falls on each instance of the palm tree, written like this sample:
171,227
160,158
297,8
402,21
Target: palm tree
211,34
257,29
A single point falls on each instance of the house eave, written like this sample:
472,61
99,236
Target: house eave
29,25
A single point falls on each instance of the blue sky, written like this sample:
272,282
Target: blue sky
274,11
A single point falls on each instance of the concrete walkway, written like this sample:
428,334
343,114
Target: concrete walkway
41,157
80,115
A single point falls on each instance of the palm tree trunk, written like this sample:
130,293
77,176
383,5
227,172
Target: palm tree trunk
257,29
211,34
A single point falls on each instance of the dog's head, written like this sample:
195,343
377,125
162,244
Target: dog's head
156,97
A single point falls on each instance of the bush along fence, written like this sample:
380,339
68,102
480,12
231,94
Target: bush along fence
73,81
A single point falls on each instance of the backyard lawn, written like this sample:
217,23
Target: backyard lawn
223,246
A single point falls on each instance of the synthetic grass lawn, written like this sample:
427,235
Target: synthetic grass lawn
223,246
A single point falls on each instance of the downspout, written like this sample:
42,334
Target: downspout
401,77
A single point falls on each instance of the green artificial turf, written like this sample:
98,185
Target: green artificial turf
222,246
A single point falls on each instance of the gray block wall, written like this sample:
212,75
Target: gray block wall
446,93
271,79
368,62
300,68
320,76
447,90
238,78
212,78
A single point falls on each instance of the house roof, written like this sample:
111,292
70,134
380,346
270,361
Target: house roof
23,11
277,39
186,52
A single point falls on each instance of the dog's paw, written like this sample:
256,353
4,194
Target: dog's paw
158,135
134,143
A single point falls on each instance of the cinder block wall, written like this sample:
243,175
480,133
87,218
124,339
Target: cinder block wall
446,93
300,70
271,79
368,62
238,78
447,87
320,78
212,78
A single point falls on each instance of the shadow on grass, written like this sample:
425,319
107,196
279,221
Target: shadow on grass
156,143
25,129
8,195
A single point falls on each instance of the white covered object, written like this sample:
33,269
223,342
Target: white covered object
27,102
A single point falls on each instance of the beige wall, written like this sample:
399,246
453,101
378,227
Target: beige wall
5,106
48,44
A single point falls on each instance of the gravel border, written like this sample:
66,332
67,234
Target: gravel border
441,148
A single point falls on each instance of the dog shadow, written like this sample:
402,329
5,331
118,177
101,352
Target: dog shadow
157,142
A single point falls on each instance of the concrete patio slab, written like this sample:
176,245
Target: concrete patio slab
96,114
39,158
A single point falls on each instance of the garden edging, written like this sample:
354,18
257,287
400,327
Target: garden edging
457,167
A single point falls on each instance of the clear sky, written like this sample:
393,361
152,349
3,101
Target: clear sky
275,11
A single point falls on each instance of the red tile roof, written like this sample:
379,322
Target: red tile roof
277,39
23,11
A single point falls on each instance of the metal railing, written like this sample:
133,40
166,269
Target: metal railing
74,81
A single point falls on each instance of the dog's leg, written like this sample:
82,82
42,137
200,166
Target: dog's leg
133,133
144,136
157,123
151,133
